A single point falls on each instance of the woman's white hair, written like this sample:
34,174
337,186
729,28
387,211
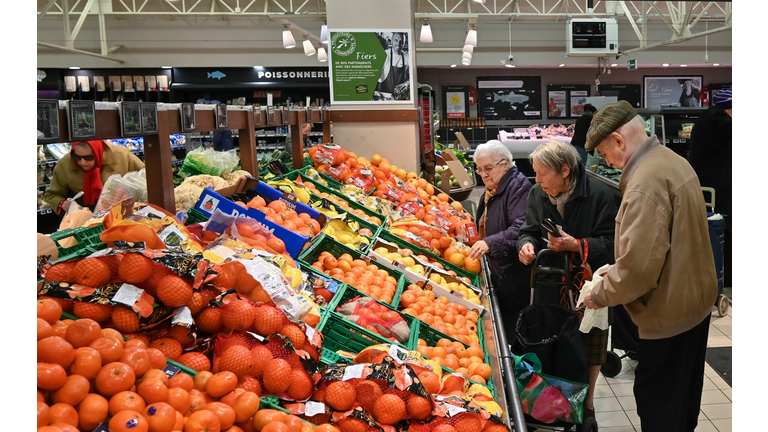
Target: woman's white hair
496,151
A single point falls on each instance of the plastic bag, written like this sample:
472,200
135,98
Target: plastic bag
117,188
209,161
593,317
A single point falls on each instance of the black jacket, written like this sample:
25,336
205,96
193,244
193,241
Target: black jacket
710,155
591,216
580,130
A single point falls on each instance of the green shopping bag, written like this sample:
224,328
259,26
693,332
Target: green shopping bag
546,398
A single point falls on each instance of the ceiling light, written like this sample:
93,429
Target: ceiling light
715,64
426,33
258,67
466,55
479,1
324,34
614,64
322,56
471,37
453,65
509,65
74,67
288,40
309,49
468,49
683,65
665,64
466,62
561,64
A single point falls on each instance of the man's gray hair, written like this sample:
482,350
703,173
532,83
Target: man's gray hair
496,151
554,154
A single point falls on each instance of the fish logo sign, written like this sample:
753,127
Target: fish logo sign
510,98
216,74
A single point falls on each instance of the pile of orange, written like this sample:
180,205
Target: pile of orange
88,375
448,318
278,212
468,361
366,278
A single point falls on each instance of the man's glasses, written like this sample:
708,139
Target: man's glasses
77,157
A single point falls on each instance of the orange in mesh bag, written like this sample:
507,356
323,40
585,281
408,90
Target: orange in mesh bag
368,313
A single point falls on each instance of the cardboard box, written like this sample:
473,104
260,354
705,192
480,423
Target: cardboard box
211,200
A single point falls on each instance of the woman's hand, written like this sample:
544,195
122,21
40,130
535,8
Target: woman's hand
564,243
65,205
478,250
527,254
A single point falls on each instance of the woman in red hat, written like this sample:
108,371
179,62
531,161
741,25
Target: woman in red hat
85,169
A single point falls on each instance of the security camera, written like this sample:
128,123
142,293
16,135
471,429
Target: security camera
511,57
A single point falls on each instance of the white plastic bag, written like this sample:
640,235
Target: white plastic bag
593,317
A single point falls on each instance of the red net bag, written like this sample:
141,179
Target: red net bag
279,370
314,412
372,315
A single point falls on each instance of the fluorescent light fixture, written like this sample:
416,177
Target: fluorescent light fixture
309,49
683,65
324,34
322,56
561,64
665,64
74,67
468,49
509,65
479,1
288,40
426,33
614,64
715,64
258,67
471,37
453,65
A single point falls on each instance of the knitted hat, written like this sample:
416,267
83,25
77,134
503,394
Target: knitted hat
609,118
722,99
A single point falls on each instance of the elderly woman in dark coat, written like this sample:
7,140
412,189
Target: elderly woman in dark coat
500,214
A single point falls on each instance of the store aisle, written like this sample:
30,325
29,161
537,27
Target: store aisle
615,408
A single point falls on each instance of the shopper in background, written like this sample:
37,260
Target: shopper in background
710,155
585,210
500,213
88,165
664,272
222,140
580,131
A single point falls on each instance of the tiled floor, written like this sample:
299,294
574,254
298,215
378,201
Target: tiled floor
615,408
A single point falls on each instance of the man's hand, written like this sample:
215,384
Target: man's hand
65,205
590,301
527,254
564,243
478,250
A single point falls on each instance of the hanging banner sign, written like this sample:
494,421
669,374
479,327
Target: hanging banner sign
371,66
456,103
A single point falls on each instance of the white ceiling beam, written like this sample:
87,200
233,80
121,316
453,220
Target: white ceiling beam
81,20
77,51
45,9
675,41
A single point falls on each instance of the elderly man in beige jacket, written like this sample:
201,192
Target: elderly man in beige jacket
665,270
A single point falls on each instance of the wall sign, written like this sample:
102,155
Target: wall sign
682,91
130,119
149,118
251,75
371,66
82,120
509,98
187,116
626,92
455,101
47,121
566,100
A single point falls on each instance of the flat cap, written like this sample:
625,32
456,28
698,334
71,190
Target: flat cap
606,120
723,99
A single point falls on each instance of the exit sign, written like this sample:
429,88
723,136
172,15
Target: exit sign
632,64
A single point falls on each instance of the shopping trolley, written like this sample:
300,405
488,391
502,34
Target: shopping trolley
549,327
717,239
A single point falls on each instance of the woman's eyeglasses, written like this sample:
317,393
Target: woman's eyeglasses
77,157
488,169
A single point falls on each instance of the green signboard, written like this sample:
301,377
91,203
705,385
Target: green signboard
370,66
632,64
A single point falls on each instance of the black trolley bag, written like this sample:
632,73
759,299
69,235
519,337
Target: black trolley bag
546,327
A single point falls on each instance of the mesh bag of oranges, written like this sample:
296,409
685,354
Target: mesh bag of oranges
370,314
388,393
328,154
361,177
452,414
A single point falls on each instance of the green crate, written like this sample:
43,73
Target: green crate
343,335
271,402
88,242
325,243
293,175
195,216
349,292
329,357
402,244
431,337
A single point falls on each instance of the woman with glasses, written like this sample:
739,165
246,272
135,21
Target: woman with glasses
585,210
88,165
500,214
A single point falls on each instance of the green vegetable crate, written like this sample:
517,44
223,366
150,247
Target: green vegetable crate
341,334
326,243
431,336
88,242
402,244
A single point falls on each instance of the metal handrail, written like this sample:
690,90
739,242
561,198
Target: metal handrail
514,405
